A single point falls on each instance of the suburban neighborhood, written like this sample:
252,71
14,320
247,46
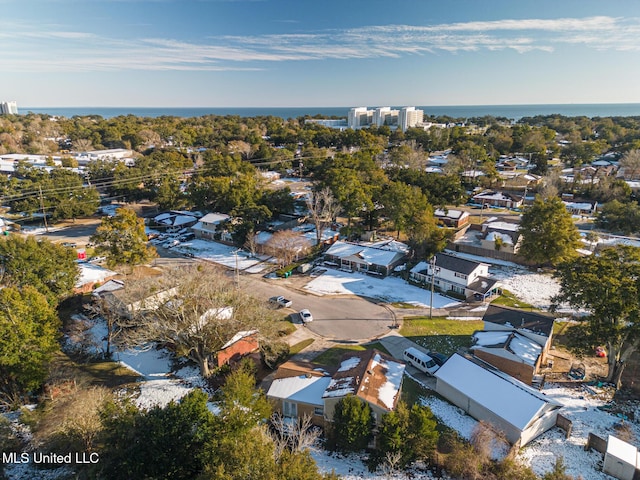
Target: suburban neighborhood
458,311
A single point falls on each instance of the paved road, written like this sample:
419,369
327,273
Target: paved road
348,319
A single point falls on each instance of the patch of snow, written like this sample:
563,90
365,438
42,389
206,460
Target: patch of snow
352,467
388,392
390,289
349,363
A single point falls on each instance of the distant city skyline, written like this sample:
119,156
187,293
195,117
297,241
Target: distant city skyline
292,53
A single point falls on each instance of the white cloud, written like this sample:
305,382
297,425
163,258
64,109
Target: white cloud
26,48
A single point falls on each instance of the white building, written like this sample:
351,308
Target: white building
385,116
359,117
409,117
8,108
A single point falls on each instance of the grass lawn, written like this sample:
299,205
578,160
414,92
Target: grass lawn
332,356
508,299
439,333
285,326
105,373
298,347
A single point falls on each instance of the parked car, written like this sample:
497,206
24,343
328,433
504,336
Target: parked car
305,316
69,244
439,358
420,360
280,301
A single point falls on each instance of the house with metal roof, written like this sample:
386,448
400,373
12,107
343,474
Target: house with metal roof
520,412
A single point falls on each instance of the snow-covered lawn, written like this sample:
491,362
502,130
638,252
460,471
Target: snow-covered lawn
351,467
390,289
222,255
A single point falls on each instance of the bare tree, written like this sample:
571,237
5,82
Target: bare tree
391,463
295,435
323,209
287,246
630,164
485,439
203,312
82,145
251,243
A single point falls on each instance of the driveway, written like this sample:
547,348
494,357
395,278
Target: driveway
396,344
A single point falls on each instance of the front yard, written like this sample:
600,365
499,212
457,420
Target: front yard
440,333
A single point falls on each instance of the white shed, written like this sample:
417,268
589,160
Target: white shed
620,459
485,393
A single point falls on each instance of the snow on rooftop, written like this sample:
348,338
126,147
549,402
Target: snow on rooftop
526,349
488,338
509,226
349,364
388,392
92,273
238,336
340,387
512,400
371,255
301,389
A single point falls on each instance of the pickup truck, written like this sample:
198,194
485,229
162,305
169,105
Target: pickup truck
280,301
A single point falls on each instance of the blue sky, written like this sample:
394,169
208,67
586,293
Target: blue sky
286,53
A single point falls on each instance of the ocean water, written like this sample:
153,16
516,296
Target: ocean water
514,112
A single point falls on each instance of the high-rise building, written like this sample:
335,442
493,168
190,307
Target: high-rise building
8,108
359,117
409,117
385,116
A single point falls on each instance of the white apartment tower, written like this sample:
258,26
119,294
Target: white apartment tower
8,108
359,117
409,117
385,116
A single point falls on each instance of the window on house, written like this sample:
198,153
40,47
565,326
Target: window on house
318,411
289,409
460,275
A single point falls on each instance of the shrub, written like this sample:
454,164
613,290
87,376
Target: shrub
352,425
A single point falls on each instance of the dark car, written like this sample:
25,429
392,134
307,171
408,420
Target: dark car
439,358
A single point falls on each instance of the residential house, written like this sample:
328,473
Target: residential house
242,344
501,236
362,258
457,275
518,411
452,218
370,375
127,302
499,199
211,226
581,208
174,221
535,326
510,352
92,275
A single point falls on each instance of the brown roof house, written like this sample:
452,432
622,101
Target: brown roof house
370,375
241,345
514,341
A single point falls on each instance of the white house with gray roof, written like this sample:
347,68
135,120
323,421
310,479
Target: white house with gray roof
376,260
458,275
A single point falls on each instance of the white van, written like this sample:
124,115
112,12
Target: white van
420,360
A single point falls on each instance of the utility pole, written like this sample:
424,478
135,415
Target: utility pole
44,214
237,270
432,262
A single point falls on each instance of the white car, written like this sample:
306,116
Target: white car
305,316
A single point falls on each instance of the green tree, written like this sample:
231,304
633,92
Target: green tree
616,216
608,286
122,239
549,235
46,266
159,443
28,337
352,426
411,432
